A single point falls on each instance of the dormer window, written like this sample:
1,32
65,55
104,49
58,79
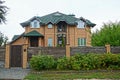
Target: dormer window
50,25
35,24
81,24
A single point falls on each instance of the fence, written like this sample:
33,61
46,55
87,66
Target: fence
60,51
2,53
54,51
85,50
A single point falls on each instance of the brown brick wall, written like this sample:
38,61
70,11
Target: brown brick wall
72,35
19,41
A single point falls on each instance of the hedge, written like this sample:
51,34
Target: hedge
76,62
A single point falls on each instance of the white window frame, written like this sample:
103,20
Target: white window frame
81,41
50,42
81,24
35,24
50,25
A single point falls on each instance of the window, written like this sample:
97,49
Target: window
81,41
81,24
35,24
49,42
49,25
62,26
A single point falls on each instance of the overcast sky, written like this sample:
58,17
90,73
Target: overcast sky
97,11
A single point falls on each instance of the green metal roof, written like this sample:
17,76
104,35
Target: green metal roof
33,33
56,17
15,37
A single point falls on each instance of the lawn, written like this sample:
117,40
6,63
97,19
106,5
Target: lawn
71,75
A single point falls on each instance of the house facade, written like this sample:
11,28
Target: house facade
55,29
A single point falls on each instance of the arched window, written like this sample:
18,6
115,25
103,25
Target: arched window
50,25
35,24
81,24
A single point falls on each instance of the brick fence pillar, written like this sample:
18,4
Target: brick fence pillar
25,55
7,56
67,50
108,50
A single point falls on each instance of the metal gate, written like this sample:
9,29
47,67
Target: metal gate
16,56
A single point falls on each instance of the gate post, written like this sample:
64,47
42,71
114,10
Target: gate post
7,56
107,48
24,56
68,50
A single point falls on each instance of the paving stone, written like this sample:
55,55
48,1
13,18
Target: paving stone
13,73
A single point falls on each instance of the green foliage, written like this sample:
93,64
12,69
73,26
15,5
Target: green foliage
85,61
109,34
77,62
3,11
110,61
41,62
63,63
3,39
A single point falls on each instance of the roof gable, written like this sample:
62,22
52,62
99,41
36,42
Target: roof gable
33,33
56,17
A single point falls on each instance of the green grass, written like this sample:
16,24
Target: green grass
70,75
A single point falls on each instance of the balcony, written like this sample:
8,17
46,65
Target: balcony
62,26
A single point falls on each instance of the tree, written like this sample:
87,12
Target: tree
3,39
3,12
109,34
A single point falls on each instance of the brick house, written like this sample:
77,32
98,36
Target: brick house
55,29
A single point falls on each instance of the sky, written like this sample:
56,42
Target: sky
97,11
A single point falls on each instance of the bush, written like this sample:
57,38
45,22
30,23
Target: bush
95,61
63,63
76,62
110,60
41,62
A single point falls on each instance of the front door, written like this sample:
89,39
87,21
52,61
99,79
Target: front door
16,56
34,41
61,38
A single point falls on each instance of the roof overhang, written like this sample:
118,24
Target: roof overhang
33,33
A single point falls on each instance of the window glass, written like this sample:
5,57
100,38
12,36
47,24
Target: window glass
49,25
50,42
81,24
35,24
81,41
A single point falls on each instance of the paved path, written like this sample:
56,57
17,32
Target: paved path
13,73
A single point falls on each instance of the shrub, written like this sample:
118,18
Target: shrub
41,62
95,61
76,61
90,61
63,63
110,60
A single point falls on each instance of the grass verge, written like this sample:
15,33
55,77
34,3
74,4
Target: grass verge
72,75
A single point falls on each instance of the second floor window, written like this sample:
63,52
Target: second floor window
35,24
81,24
62,26
49,25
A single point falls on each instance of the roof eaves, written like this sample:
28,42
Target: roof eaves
17,38
33,33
